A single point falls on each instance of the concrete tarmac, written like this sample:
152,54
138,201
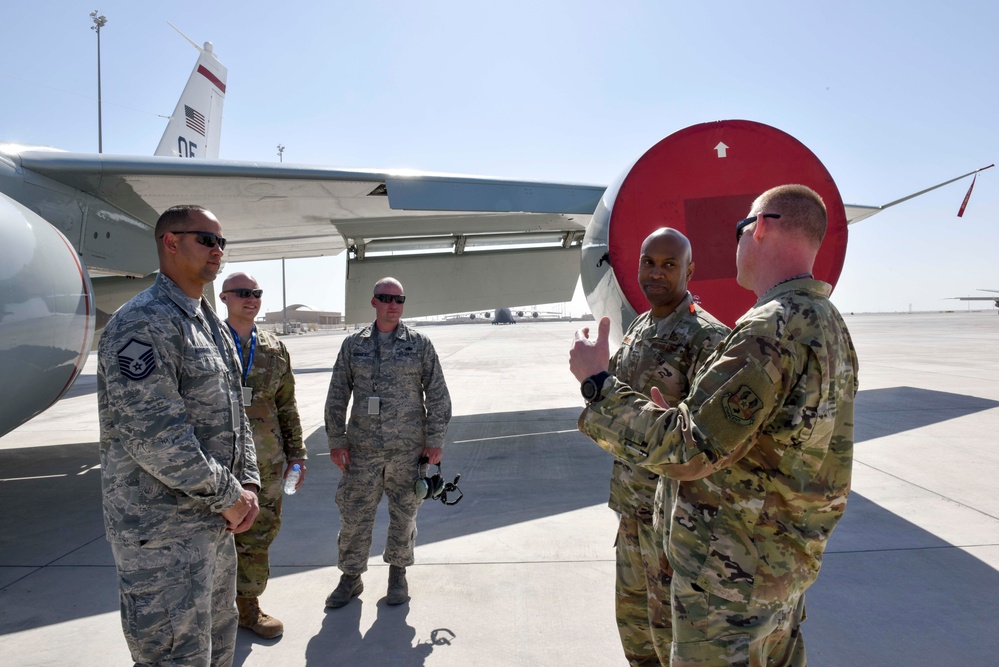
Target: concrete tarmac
520,572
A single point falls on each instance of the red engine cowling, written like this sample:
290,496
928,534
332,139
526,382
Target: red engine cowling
700,181
47,314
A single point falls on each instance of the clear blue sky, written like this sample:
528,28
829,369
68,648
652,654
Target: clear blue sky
892,96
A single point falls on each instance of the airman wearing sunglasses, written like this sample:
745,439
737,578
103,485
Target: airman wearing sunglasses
178,467
400,413
269,400
761,448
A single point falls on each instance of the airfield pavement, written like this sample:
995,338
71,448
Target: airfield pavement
520,572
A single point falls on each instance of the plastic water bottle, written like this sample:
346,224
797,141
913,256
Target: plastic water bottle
291,481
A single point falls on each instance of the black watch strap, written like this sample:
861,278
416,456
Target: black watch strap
592,386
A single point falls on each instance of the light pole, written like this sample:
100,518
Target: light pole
99,22
284,285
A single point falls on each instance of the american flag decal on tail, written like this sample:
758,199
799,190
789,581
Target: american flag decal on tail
195,120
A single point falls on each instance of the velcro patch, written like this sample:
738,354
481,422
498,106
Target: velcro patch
136,360
741,405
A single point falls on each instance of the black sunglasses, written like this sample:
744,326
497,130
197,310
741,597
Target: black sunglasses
244,293
206,239
742,224
389,298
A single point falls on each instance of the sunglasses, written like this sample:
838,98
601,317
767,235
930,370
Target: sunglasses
206,239
245,293
742,224
389,298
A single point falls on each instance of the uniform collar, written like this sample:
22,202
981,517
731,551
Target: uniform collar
805,284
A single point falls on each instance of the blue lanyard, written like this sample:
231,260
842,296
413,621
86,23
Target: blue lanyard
239,348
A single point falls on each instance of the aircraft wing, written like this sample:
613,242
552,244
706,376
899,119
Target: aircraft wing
856,212
471,242
272,211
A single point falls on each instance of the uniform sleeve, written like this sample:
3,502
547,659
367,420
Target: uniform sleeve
341,386
287,410
437,399
707,345
251,472
150,415
709,430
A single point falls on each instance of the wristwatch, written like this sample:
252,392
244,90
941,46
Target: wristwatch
592,385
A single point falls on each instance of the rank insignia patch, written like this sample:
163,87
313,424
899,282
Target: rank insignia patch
136,360
741,405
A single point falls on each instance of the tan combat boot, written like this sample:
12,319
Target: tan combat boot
398,589
262,625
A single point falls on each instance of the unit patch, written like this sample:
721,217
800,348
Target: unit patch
741,405
136,360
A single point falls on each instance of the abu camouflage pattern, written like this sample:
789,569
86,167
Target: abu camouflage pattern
414,408
756,502
277,437
664,353
175,443
371,473
405,375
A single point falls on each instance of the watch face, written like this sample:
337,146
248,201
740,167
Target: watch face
589,389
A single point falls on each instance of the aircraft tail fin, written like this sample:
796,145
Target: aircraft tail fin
195,127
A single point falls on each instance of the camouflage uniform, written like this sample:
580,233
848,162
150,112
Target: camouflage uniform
415,408
665,353
277,438
175,452
762,449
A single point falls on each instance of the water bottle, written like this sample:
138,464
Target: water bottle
291,481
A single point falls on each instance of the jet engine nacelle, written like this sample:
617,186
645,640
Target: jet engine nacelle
700,181
47,314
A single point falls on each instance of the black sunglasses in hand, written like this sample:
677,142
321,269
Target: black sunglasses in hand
389,298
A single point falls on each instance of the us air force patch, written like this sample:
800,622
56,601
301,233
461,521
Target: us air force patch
136,360
741,405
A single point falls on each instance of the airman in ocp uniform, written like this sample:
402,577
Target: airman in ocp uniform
761,449
178,469
664,348
401,409
269,400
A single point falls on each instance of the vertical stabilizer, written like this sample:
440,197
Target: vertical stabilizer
195,127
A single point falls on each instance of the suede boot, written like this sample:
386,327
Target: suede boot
262,625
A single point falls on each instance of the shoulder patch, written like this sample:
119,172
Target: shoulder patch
741,405
136,359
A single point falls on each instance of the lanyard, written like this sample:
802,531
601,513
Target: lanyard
239,348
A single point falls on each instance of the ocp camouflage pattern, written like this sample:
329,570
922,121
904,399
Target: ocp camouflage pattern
664,353
277,437
762,447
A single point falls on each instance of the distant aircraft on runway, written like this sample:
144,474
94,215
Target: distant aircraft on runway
994,299
461,242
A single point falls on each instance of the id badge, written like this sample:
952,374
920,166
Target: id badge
247,396
373,403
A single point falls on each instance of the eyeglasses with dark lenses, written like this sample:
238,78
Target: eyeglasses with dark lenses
742,224
389,298
245,293
207,239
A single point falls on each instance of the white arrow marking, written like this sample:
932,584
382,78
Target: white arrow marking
721,148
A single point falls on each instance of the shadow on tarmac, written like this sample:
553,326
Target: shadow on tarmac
515,467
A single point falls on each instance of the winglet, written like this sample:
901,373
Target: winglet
195,127
855,213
